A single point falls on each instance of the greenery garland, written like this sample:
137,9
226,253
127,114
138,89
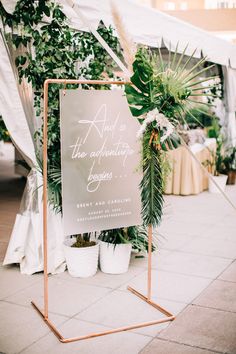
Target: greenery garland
159,97
152,184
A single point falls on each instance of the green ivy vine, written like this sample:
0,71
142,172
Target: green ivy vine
54,50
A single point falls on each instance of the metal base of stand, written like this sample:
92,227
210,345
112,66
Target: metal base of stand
169,317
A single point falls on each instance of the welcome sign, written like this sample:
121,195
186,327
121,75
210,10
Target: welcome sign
100,160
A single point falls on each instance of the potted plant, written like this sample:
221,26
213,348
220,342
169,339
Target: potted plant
216,167
116,246
230,165
81,255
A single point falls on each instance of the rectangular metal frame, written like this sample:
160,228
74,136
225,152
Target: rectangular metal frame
44,313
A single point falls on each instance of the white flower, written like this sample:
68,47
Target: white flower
152,115
163,123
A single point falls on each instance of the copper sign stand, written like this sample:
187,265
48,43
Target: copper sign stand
44,312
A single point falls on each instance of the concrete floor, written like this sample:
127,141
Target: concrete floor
194,276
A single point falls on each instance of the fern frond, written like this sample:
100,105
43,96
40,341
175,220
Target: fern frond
151,185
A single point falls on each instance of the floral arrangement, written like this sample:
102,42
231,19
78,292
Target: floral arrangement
160,96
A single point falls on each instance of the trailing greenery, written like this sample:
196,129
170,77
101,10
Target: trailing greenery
166,168
160,97
152,183
54,50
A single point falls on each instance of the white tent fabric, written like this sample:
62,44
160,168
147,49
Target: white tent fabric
230,104
148,26
11,108
25,246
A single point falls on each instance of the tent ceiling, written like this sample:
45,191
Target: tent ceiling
147,26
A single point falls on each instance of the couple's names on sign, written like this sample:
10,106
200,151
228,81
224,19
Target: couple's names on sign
100,160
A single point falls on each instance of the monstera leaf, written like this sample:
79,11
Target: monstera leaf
140,95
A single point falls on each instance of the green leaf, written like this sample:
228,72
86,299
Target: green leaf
151,185
136,80
138,112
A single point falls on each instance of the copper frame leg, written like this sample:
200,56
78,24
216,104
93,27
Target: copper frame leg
44,314
169,316
110,331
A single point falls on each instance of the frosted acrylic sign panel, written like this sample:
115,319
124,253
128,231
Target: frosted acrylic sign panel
100,157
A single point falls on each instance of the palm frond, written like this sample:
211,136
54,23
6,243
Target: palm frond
189,78
54,185
201,81
188,111
172,64
187,61
151,185
138,237
169,56
197,65
203,94
162,66
180,59
201,88
203,103
203,112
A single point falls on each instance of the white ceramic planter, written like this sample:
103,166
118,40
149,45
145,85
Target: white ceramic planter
81,262
220,180
114,260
